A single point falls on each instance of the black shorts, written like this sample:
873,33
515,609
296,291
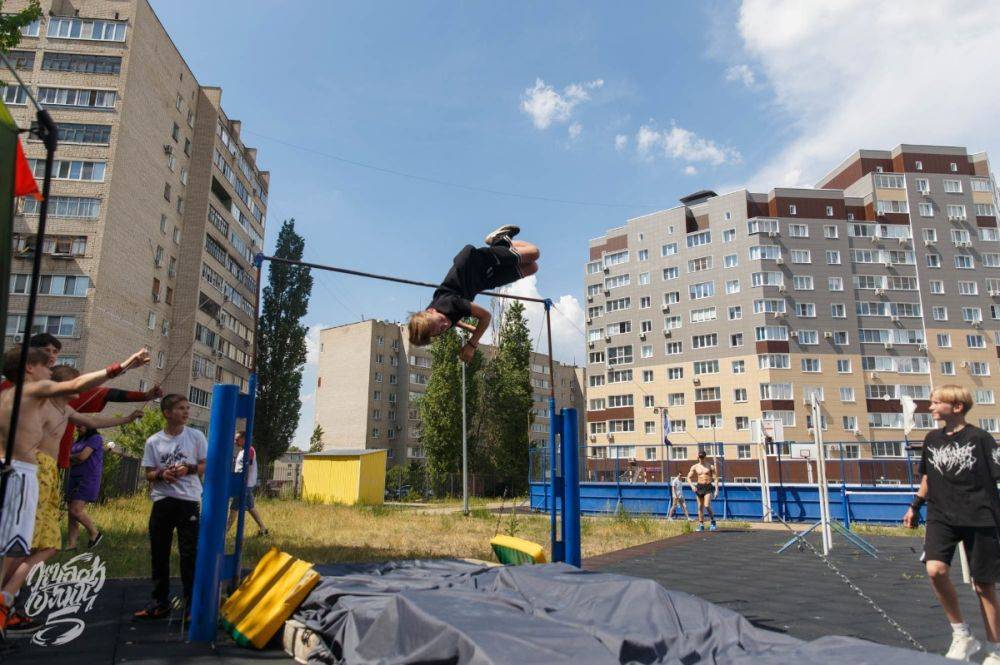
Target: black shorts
504,266
701,489
982,546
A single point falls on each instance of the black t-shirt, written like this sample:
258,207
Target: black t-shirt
466,278
958,492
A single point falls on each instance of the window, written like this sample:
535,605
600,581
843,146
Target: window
76,207
187,147
78,98
775,391
802,256
703,315
736,340
177,236
675,373
762,225
966,288
975,341
699,264
843,365
706,367
806,310
953,186
979,368
830,232
69,169
709,421
832,257
732,286
965,262
704,341
933,260
808,337
669,249
835,283
884,207
735,312
764,252
838,310
739,394
701,290
984,396
986,210
731,260
739,367
674,348
92,29
944,340
980,185
678,452
14,95
925,209
956,212
811,365
671,273
166,191
792,210
798,231
644,302
728,235
766,279
773,361
199,397
175,133
841,337
923,185
699,239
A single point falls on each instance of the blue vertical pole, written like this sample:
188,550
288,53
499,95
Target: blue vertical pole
555,483
571,488
215,500
843,488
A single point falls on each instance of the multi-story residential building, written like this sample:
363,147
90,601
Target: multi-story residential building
882,282
157,207
369,378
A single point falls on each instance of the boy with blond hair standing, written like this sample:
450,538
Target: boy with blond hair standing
959,465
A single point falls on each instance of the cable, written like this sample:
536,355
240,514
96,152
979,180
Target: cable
447,183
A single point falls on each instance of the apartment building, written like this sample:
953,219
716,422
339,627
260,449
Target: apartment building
157,206
369,378
881,282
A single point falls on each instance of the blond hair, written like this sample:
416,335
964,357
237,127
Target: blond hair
420,326
953,394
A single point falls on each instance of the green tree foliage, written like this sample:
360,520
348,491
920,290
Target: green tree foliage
11,24
506,404
281,347
441,408
316,440
131,437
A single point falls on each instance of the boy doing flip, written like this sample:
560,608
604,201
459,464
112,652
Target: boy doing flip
960,464
475,269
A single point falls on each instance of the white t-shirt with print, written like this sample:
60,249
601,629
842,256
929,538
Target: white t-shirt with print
163,450
252,472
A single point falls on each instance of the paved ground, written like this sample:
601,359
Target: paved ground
795,592
110,636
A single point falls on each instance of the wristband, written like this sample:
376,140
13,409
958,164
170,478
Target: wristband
114,370
918,502
192,468
159,474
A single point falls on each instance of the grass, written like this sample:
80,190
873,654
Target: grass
332,534
882,530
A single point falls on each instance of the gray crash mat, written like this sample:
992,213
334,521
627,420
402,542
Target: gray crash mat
447,611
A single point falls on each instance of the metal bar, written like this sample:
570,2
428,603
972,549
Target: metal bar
398,280
571,488
465,448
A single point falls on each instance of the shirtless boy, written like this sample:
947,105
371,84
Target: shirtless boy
41,421
704,491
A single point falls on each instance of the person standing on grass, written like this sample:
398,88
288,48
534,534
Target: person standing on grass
83,485
677,498
704,491
174,460
960,465
251,485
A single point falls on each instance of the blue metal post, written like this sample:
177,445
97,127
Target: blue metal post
843,488
571,488
214,506
555,483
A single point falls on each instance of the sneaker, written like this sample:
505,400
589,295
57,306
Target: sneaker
992,658
502,235
962,647
712,527
701,527
96,541
19,623
154,610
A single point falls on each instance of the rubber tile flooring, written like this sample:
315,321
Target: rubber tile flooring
795,592
110,636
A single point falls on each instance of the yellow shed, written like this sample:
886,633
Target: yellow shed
345,476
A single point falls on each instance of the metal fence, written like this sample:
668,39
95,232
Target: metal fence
878,464
122,476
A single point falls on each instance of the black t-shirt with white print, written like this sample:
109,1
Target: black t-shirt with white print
957,490
467,277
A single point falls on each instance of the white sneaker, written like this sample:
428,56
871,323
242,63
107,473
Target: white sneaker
963,647
503,234
992,658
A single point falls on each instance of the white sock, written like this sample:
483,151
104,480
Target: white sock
960,629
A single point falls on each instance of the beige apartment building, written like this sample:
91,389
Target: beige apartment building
369,377
157,206
881,282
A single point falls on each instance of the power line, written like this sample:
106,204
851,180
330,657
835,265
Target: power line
449,183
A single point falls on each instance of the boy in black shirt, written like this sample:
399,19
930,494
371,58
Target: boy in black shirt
960,464
475,269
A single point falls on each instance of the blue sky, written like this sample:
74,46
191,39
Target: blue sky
621,108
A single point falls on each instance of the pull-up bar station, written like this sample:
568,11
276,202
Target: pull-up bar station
221,483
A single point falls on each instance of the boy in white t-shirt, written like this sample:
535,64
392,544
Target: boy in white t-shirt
251,507
174,460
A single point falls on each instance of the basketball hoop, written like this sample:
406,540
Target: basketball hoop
805,454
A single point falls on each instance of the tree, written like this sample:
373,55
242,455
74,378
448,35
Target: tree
131,437
281,347
316,440
506,403
11,24
441,407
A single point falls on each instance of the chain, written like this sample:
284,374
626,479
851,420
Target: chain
851,585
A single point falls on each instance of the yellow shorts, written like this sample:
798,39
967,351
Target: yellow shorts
47,533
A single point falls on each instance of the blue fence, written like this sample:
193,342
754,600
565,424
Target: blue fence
793,502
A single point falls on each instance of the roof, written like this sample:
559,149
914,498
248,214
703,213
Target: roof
346,452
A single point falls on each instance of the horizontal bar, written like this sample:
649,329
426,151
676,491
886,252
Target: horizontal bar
388,278
876,493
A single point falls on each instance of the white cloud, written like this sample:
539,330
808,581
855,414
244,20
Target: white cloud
621,142
741,73
855,74
690,170
546,105
575,129
682,144
567,322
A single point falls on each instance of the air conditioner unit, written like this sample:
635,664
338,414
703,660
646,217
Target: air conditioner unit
779,315
794,333
607,293
961,218
928,243
17,338
642,335
965,363
168,149
607,338
856,431
781,288
953,218
772,234
156,297
879,291
994,293
589,321
887,345
874,376
921,347
875,239
593,437
902,240
887,264
590,344
606,270
696,381
924,192
667,333
780,261
827,334
590,298
666,309
894,318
